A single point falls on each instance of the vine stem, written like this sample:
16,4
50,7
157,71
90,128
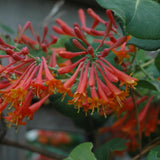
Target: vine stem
146,150
147,63
137,120
31,148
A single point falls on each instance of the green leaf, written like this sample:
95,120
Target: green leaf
148,45
82,152
154,154
6,28
36,53
140,17
61,41
146,84
157,61
116,144
141,56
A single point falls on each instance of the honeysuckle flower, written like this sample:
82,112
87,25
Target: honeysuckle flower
125,126
21,79
37,41
64,29
52,83
123,51
5,45
103,93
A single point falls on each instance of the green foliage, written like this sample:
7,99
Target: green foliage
82,152
6,28
154,154
146,84
116,144
140,17
146,44
36,53
61,41
157,62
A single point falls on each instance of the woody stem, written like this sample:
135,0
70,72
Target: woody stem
148,148
31,148
137,120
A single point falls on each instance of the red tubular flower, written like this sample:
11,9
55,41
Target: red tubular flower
80,97
53,62
4,84
95,16
66,29
18,115
52,83
68,84
34,107
118,43
123,51
17,94
69,68
111,77
43,44
110,16
91,81
5,45
80,35
82,17
101,92
107,30
37,83
78,44
67,54
124,78
125,127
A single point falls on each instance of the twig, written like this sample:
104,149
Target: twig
145,150
31,148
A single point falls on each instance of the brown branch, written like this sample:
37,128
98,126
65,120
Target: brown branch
31,148
145,150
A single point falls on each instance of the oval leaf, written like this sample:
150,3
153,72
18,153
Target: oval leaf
146,84
82,152
116,144
140,17
148,45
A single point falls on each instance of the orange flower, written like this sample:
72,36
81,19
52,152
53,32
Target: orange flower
126,125
124,78
79,97
52,83
123,52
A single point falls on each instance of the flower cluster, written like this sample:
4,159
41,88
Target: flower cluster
36,42
21,79
126,125
93,82
97,83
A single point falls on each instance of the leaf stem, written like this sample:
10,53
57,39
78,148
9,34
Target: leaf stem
147,63
145,73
